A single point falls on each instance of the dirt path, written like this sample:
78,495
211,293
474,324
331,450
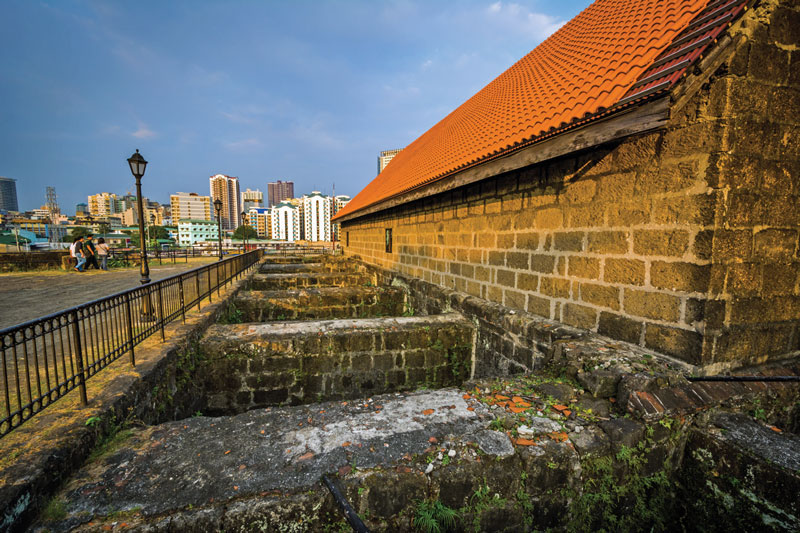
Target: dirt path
26,296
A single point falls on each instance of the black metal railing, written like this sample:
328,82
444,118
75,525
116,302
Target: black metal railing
44,359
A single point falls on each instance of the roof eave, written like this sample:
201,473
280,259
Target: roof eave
623,123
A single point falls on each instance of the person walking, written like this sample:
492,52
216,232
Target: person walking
90,252
77,249
102,253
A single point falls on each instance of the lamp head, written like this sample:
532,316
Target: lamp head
137,164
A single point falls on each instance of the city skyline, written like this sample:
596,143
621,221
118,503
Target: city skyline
195,106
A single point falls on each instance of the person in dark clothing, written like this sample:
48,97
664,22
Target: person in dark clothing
91,253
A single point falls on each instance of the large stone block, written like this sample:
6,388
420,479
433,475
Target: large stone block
678,276
583,267
661,242
655,305
624,271
601,295
682,343
608,242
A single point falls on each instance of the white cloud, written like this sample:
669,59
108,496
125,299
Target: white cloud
427,64
143,132
519,19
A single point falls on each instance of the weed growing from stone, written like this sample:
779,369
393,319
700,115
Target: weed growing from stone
232,315
434,517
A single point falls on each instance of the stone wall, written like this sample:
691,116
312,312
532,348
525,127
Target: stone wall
257,365
682,240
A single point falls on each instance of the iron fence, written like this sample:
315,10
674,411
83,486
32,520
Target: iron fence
44,359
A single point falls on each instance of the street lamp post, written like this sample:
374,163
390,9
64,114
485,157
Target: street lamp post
244,231
218,208
138,164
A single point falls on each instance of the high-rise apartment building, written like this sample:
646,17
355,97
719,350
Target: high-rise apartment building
317,217
103,204
81,210
260,219
279,191
286,222
226,189
8,194
385,157
252,199
190,205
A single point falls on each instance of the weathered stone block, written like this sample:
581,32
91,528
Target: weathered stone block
678,276
568,241
542,263
661,242
620,327
584,267
684,344
624,271
601,295
579,316
608,242
654,305
517,260
600,383
775,244
555,287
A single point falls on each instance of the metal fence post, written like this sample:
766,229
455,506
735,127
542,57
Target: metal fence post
210,288
197,285
129,316
183,304
161,312
76,332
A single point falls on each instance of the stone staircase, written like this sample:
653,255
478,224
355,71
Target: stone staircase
325,330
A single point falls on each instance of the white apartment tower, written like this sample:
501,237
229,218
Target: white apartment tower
190,205
226,189
317,217
252,199
285,222
385,157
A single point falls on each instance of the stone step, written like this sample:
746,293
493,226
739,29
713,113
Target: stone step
257,365
290,259
327,266
261,470
320,303
265,282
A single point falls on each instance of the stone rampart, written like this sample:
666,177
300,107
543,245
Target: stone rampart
683,240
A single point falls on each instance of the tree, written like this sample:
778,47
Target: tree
78,231
245,231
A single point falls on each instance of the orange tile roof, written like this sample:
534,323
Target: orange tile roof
614,53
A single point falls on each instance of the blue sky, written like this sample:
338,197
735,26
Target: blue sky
301,90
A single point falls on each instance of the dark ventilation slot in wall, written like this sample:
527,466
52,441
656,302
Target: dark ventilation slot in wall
388,240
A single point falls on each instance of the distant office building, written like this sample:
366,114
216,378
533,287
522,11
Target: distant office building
226,189
103,204
252,199
286,222
279,191
8,194
317,217
385,157
81,210
190,205
194,231
260,219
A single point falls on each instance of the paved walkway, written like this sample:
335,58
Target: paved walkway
26,296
